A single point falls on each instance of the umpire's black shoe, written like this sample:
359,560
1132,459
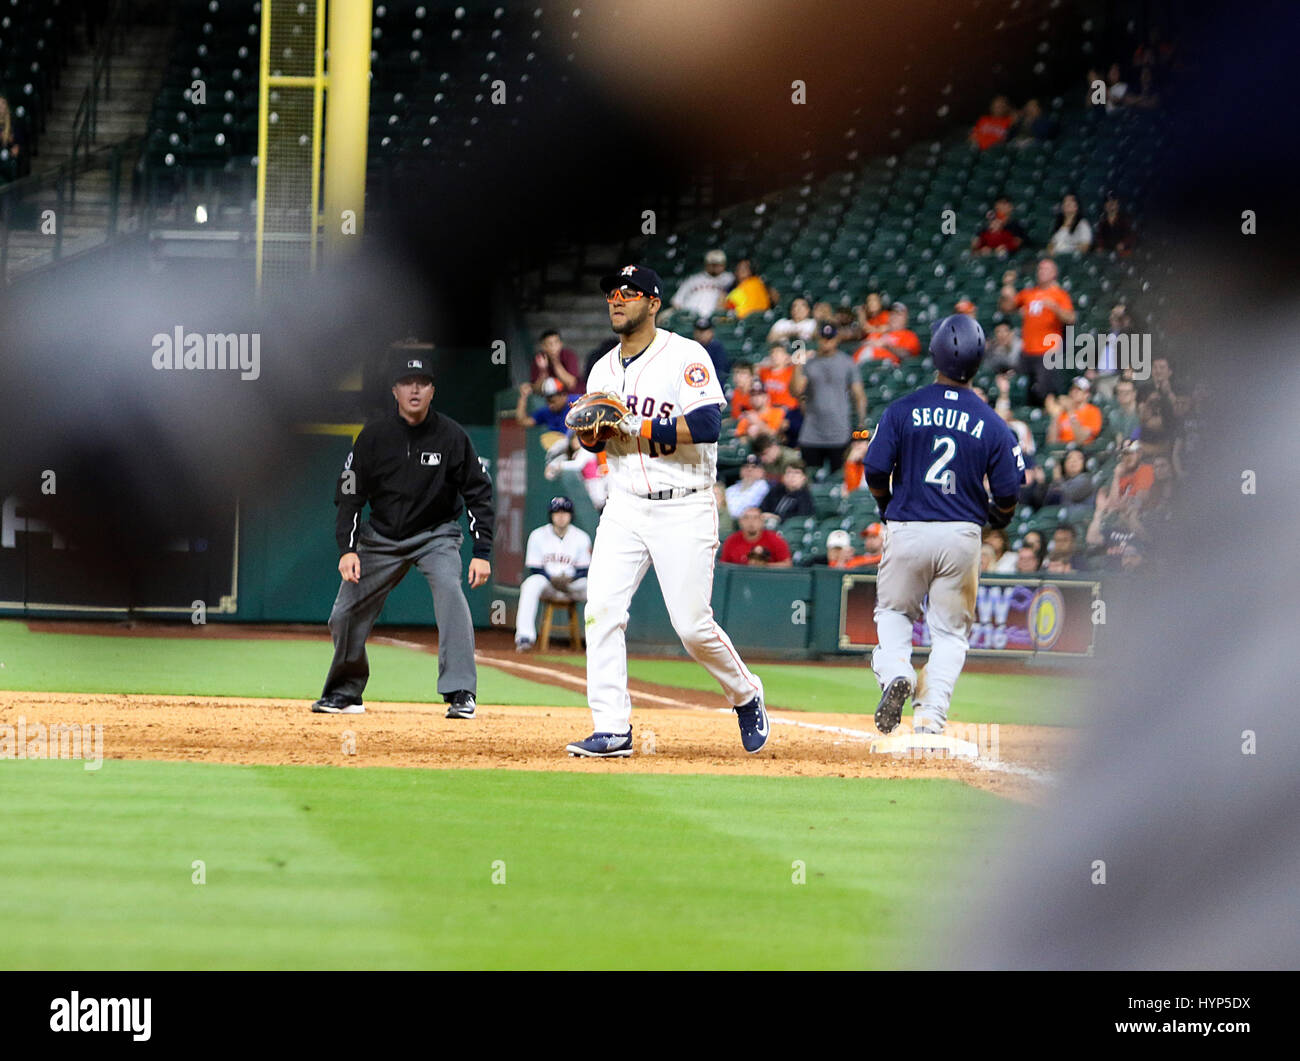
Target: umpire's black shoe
338,704
890,709
460,704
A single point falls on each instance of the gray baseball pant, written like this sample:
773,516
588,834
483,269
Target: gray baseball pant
384,562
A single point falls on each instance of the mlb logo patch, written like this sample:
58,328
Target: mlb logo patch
415,363
696,374
431,459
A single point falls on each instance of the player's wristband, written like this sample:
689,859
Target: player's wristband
661,429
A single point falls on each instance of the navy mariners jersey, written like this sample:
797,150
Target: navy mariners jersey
938,444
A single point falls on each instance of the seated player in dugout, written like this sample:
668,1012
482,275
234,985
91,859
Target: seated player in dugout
414,467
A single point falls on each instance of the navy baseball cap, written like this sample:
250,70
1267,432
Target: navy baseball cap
412,365
641,277
703,324
560,504
828,331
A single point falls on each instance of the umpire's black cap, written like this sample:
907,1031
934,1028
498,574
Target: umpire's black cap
642,277
411,365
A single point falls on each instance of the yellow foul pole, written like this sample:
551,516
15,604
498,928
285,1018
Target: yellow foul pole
346,120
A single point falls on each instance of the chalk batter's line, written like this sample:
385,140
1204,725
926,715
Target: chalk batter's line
992,765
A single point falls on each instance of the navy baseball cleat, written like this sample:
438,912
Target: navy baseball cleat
603,746
754,724
890,709
338,704
460,704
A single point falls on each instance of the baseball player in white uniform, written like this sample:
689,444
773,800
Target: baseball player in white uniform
661,511
557,557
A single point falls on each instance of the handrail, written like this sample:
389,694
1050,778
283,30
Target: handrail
59,184
85,129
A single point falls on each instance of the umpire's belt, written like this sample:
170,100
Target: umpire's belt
666,495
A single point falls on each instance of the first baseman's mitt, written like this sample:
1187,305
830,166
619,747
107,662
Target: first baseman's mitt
595,416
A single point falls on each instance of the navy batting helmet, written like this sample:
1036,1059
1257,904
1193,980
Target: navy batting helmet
561,504
957,346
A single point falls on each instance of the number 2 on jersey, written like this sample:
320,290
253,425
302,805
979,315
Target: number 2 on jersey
936,475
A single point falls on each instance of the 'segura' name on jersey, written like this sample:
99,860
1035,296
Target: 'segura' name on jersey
951,419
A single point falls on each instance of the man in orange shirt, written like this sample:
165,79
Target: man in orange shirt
1074,418
894,345
763,418
1046,309
992,127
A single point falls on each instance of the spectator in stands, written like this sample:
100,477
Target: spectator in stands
988,557
742,383
1158,427
831,391
1034,126
895,345
1002,233
791,496
776,458
1072,234
750,489
551,415
1072,488
873,543
1161,381
777,374
701,294
1026,561
1045,309
754,545
966,306
873,318
1074,417
1114,527
556,361
992,128
11,137
1147,97
751,293
1034,538
1114,229
1002,353
1105,377
1063,554
1113,88
762,418
1133,477
1003,406
1124,420
1004,560
726,522
799,325
839,550
717,352
854,472
1157,506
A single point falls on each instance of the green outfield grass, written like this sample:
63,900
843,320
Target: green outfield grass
1040,699
85,663
327,868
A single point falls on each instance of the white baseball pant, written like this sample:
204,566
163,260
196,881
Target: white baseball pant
941,560
536,588
679,537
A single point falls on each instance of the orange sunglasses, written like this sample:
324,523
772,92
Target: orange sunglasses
625,294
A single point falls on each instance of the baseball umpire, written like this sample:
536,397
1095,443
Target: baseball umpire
926,465
414,467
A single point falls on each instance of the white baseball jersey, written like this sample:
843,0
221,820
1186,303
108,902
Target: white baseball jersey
672,377
556,555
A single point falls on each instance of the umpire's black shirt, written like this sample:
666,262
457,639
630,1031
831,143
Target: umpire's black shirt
414,478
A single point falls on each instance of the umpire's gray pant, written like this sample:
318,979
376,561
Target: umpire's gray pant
384,562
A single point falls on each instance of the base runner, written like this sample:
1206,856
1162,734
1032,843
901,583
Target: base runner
926,465
662,458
